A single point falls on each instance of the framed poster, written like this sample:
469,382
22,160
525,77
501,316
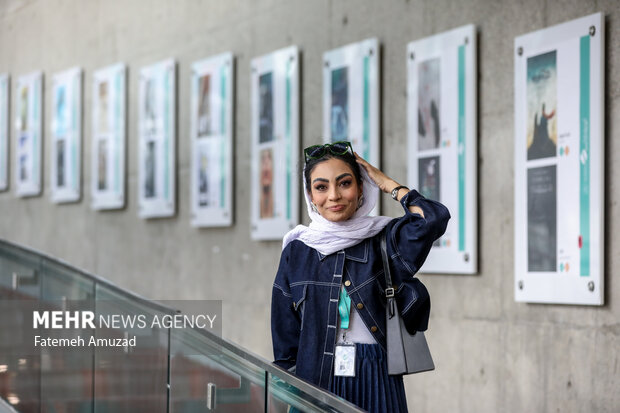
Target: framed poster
275,143
351,98
211,130
442,132
156,152
4,132
29,147
559,163
108,140
66,132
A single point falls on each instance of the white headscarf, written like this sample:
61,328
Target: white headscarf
328,237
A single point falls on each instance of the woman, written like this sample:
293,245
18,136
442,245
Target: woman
328,304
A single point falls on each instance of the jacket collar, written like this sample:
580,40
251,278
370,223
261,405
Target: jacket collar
358,252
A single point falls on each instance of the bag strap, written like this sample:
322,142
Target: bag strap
389,288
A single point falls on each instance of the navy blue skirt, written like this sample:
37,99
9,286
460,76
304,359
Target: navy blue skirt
372,388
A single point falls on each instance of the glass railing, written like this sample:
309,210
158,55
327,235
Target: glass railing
169,370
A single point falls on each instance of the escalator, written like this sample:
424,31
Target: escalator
169,370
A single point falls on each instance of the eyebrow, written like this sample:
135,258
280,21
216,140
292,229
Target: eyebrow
338,178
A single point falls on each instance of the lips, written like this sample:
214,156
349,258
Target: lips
337,208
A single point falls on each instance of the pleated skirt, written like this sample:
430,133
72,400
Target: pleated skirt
372,388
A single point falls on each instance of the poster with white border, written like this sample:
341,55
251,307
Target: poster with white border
108,139
157,143
4,131
211,136
442,131
559,163
351,98
66,136
29,127
275,143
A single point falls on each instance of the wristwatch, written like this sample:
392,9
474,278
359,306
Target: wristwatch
395,191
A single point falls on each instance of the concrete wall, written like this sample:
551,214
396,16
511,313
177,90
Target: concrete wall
492,354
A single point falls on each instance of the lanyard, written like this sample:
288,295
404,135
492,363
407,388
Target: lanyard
344,306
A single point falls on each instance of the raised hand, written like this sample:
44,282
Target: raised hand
384,182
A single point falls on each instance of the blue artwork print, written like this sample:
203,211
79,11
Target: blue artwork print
340,105
265,104
61,111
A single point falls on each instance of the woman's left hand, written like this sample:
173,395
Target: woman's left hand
384,182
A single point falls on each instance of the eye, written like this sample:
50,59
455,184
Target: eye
346,183
320,187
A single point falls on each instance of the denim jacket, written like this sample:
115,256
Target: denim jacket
304,304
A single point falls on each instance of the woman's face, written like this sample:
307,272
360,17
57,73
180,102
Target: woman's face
334,190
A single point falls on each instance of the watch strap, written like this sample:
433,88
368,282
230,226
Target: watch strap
394,192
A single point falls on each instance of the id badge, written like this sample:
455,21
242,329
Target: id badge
344,360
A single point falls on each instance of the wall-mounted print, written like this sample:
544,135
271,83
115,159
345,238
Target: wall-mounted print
108,137
559,163
28,125
157,143
542,219
351,91
429,102
265,186
442,149
339,121
542,93
4,132
66,133
212,141
429,179
275,144
265,104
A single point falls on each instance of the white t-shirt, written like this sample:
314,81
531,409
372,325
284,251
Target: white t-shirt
357,331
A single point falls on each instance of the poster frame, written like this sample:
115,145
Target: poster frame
362,87
108,188
29,143
157,140
5,115
218,72
446,64
278,128
66,164
578,42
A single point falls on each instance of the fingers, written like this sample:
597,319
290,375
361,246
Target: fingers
357,155
375,174
361,161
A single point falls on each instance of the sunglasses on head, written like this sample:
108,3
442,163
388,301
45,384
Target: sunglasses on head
319,151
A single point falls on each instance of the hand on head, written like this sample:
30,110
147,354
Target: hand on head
384,182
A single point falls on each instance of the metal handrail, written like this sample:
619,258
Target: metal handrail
284,375
90,276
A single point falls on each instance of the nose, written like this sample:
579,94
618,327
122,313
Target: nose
334,193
